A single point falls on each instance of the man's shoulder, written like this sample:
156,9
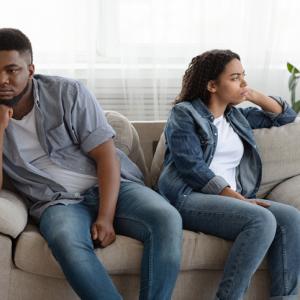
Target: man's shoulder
49,81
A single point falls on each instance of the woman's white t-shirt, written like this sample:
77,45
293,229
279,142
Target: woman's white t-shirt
229,152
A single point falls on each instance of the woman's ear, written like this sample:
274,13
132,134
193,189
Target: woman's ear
211,86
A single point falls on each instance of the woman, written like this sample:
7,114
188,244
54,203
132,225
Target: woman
212,171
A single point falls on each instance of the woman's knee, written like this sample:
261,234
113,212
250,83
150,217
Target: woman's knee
288,217
264,221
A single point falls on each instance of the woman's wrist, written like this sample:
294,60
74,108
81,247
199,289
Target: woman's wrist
229,192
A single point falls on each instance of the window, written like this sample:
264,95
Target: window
132,53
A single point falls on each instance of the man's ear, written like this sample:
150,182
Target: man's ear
31,69
211,86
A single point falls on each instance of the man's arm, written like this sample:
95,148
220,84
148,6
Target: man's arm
108,172
5,115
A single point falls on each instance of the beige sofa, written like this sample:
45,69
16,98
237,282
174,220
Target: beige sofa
28,270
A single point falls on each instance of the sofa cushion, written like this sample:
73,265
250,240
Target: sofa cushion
278,148
200,251
33,255
279,151
124,136
13,213
127,140
287,192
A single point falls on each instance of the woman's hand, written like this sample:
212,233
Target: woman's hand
103,232
265,102
252,95
259,202
228,192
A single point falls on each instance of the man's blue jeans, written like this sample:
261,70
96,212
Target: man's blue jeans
256,231
141,214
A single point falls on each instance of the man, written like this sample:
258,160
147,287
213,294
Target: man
58,151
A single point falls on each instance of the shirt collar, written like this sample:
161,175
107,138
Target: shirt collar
36,97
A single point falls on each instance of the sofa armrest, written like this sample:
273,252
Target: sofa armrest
287,192
13,213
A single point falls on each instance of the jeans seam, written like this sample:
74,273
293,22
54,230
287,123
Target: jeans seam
150,275
214,213
234,273
284,258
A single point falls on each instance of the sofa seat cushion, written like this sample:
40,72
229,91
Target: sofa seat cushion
33,255
200,251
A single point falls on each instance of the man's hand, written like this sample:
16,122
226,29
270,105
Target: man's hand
6,114
103,232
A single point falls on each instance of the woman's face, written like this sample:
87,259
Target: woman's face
231,87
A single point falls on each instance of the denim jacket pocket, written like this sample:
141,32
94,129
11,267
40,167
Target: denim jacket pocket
204,141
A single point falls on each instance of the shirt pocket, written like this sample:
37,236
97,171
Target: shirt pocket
59,137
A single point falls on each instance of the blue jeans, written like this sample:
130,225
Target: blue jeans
256,231
141,214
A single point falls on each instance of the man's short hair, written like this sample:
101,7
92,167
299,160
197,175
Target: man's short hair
14,39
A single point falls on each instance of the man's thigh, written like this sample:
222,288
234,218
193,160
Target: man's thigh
141,210
71,221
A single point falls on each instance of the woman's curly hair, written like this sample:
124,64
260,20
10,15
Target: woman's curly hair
203,68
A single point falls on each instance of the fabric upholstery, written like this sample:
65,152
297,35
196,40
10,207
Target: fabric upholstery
279,151
13,213
127,140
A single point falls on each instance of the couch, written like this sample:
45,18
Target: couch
28,270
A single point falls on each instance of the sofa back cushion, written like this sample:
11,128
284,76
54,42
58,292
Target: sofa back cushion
279,148
127,140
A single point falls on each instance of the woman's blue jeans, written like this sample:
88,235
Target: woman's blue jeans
256,231
141,214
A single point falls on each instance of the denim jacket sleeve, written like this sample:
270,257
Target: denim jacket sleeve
259,118
185,149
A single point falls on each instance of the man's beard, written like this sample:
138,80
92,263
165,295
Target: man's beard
15,100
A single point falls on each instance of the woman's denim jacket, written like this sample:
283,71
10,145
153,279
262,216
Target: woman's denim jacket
191,139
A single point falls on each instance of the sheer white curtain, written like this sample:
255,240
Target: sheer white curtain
132,53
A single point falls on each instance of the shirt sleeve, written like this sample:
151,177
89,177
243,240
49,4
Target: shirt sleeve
185,148
259,118
89,123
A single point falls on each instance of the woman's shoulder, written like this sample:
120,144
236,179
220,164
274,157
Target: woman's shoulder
194,108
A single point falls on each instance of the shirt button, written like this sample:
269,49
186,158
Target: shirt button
215,133
77,195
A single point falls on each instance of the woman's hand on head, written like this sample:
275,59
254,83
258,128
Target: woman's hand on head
251,94
254,96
